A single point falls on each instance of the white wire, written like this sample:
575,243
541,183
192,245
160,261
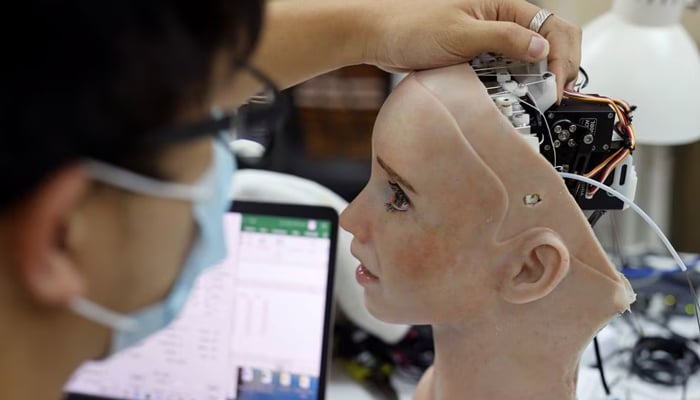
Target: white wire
535,82
635,207
486,70
551,138
499,93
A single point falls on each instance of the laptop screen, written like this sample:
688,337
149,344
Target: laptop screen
256,326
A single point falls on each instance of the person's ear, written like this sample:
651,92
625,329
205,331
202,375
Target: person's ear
536,263
40,240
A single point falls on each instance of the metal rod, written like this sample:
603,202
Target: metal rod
513,74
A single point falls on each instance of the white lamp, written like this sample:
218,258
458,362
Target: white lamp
638,51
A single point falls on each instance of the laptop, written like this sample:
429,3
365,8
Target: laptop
256,326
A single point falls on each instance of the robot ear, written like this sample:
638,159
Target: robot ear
538,261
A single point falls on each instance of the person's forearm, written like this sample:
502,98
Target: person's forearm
305,38
301,39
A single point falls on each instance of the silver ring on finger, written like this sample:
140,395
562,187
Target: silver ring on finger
539,19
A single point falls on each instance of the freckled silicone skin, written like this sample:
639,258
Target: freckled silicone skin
512,171
445,261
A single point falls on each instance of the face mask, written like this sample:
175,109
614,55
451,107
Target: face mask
210,200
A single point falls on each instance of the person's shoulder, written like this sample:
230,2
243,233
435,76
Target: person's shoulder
424,390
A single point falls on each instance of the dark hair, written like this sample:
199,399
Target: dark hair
86,78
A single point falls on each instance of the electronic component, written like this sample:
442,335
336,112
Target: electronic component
585,134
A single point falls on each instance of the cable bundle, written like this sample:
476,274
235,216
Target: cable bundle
664,361
623,127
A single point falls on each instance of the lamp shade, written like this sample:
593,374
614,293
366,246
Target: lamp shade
639,52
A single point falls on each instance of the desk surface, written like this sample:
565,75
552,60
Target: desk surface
342,387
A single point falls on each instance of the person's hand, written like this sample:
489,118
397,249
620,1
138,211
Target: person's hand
404,35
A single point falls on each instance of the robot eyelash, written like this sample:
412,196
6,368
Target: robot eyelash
399,202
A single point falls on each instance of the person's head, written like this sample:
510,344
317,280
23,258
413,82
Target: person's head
462,219
94,80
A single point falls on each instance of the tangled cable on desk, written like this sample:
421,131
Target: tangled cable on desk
664,361
668,360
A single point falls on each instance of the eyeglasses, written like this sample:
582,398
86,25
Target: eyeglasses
249,129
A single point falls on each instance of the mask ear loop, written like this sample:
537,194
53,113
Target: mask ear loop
102,315
133,182
650,222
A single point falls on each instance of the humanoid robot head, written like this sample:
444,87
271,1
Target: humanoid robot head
461,215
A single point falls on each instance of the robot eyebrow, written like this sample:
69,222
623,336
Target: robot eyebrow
393,175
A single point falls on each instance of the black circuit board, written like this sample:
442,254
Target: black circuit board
575,137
